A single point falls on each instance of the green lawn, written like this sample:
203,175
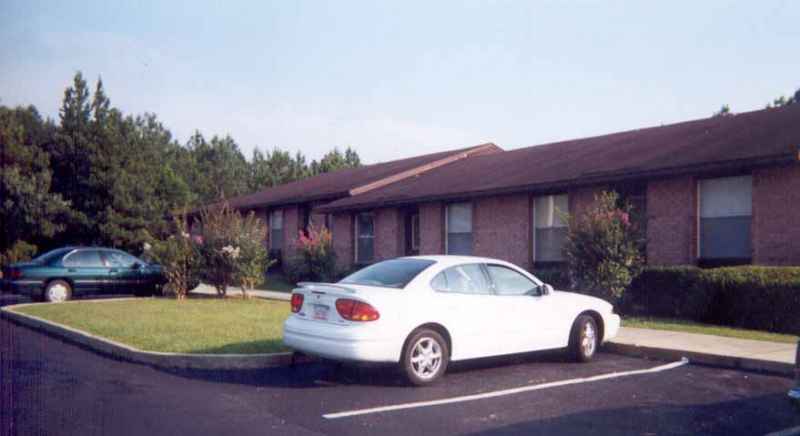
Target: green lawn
203,325
693,327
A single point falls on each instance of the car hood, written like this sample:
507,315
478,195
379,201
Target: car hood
584,300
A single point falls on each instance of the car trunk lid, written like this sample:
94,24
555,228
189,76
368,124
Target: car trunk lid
319,299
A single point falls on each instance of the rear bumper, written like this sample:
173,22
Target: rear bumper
344,343
32,288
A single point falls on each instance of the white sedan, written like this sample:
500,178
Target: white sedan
426,311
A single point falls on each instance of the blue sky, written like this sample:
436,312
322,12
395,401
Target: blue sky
396,79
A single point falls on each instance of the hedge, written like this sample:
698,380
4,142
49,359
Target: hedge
754,297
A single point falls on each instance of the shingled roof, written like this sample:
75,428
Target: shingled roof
346,182
746,140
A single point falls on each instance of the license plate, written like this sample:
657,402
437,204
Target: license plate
320,311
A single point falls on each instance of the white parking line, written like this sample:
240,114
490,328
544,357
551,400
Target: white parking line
504,392
787,432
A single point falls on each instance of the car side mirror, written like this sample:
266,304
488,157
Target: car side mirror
136,265
546,289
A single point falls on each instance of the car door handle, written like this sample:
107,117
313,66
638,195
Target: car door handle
72,270
113,270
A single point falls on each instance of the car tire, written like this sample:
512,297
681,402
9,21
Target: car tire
57,291
584,339
425,357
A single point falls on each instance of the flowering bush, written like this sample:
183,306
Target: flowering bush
250,254
315,259
604,248
232,249
179,258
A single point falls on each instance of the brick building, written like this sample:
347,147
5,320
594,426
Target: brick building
288,208
723,190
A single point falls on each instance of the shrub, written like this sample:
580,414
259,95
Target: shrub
252,261
755,297
232,249
315,259
603,248
558,277
19,252
179,258
219,249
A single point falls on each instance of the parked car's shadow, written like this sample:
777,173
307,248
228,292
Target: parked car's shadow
322,373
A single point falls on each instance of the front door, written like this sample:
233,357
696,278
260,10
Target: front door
412,232
125,277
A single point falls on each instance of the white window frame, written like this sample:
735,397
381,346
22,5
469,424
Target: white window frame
357,236
447,224
533,220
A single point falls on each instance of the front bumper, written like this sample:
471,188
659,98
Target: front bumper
32,288
338,342
612,323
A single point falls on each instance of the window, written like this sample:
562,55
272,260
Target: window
415,232
459,228
726,206
395,273
84,258
365,238
550,230
276,230
119,259
509,282
462,279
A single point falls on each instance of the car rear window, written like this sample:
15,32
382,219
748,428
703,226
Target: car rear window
395,273
50,255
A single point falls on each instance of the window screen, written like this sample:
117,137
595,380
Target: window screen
459,228
550,230
276,230
365,238
725,215
415,236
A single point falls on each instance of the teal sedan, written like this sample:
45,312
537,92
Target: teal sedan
64,273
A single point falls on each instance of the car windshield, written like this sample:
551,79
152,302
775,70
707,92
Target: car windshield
50,255
394,273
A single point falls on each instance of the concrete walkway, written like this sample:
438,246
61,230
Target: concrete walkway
708,344
205,289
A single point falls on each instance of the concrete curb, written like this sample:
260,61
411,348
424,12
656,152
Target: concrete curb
731,362
160,360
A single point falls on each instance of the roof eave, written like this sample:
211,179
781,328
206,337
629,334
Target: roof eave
618,176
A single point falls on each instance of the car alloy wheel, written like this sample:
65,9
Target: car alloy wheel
425,357
57,292
588,339
584,338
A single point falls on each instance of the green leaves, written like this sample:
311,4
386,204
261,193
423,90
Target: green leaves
604,248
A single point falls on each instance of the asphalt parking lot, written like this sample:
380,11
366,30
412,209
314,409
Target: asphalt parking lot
51,387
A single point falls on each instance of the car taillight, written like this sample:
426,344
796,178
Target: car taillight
353,310
297,302
15,274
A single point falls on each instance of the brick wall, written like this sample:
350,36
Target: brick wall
343,239
776,216
431,221
291,224
501,228
672,221
388,233
581,199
